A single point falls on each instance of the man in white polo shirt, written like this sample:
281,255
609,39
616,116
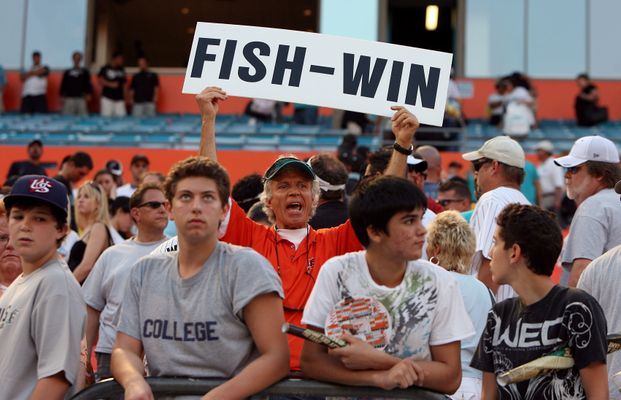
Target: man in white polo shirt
591,172
34,91
498,173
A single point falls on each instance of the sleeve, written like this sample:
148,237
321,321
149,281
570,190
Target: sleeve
13,170
253,276
92,289
482,358
451,322
483,224
586,325
129,321
57,327
586,240
324,295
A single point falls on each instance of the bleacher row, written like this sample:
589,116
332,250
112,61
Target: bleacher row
236,132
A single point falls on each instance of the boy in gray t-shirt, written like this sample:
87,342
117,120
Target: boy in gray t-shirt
209,310
42,313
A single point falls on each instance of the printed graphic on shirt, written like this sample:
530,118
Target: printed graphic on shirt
514,344
362,317
409,308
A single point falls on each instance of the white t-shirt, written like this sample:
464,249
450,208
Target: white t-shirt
519,94
550,176
115,235
35,85
105,286
126,190
483,224
496,98
601,280
425,309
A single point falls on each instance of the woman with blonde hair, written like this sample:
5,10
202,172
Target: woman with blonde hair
451,245
92,219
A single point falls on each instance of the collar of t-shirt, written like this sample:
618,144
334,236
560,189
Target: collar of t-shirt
295,236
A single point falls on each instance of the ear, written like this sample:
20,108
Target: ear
62,232
516,253
225,210
134,213
374,235
432,250
168,207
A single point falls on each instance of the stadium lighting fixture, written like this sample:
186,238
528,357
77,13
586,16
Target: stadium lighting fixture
431,17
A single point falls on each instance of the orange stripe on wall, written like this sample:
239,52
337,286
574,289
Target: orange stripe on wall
556,97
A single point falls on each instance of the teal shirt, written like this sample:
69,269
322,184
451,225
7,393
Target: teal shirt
530,178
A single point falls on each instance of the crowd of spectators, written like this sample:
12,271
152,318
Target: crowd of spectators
199,276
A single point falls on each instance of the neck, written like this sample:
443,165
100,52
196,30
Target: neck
86,223
532,288
582,197
193,255
146,235
29,267
384,269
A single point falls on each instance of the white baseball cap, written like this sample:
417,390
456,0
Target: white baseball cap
590,148
545,145
502,149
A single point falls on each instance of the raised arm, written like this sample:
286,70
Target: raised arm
404,126
207,101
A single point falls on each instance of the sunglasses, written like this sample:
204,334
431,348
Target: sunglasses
478,164
446,202
152,204
573,170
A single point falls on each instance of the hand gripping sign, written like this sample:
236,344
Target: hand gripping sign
321,70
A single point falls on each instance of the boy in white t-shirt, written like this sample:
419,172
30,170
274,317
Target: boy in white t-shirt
422,303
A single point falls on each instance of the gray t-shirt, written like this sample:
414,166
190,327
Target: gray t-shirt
42,317
105,286
195,327
595,228
601,280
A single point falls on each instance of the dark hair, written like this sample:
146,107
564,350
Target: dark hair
257,214
81,159
331,170
378,160
36,53
117,54
455,164
247,190
512,174
120,203
610,173
378,200
76,53
460,188
103,172
583,76
59,215
138,196
536,232
198,167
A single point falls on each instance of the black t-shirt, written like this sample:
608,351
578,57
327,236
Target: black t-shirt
76,83
329,215
584,104
113,74
516,334
144,84
21,168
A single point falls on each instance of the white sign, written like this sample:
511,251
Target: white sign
321,70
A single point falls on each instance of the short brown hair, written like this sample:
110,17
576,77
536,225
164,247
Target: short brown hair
512,174
610,173
198,166
138,196
536,232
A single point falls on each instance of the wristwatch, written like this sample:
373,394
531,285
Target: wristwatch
403,150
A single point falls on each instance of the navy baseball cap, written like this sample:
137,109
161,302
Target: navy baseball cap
41,188
288,162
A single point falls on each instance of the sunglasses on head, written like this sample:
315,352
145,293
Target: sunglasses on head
94,185
152,204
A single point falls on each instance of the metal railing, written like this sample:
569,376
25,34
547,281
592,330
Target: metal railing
289,387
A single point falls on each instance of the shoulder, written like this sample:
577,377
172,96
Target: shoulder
353,260
433,271
56,279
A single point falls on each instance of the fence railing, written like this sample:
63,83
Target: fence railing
289,387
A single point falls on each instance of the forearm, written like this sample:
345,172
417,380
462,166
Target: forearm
208,137
440,377
50,388
92,329
578,266
558,197
82,270
126,367
594,380
490,389
256,376
324,367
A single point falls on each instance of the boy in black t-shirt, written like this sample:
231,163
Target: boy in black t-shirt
544,317
112,80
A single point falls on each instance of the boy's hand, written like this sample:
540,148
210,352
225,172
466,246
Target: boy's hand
208,99
404,126
403,375
358,355
138,390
